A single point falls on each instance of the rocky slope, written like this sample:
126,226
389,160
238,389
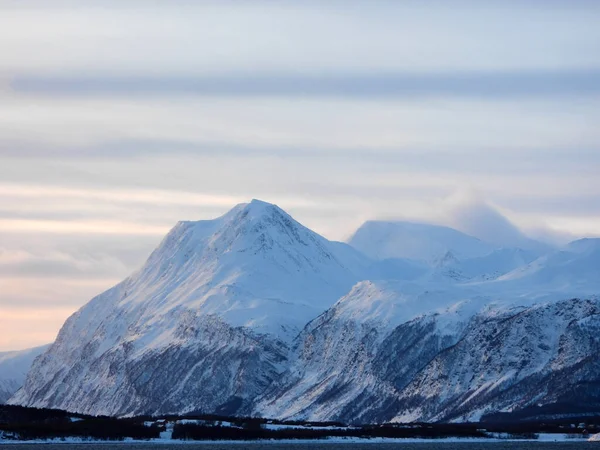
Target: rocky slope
509,359
447,365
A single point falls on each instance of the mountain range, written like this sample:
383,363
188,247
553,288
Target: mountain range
254,314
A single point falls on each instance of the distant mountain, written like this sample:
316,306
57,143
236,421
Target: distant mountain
406,250
13,369
489,267
384,240
576,267
497,263
254,314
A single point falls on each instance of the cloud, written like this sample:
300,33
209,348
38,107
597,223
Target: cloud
83,227
120,118
69,258
539,132
25,264
467,211
346,85
144,196
469,158
209,37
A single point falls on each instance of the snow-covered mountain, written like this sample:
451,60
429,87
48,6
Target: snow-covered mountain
254,314
416,241
13,369
398,352
204,325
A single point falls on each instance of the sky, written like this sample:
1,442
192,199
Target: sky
119,118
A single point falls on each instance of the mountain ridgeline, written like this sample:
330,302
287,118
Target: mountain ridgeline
253,314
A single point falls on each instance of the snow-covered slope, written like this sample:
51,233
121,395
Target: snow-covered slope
576,267
13,369
255,267
382,240
336,368
203,325
439,349
511,359
252,313
447,354
495,264
489,267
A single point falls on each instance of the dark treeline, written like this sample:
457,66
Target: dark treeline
556,412
30,423
11,413
34,423
243,421
255,430
101,429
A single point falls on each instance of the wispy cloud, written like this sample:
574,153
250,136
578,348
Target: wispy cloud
144,196
378,86
57,265
120,118
84,227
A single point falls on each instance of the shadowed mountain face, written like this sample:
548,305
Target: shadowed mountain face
254,314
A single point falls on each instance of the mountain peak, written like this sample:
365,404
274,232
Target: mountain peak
258,208
253,227
252,210
262,221
246,266
255,202
238,221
